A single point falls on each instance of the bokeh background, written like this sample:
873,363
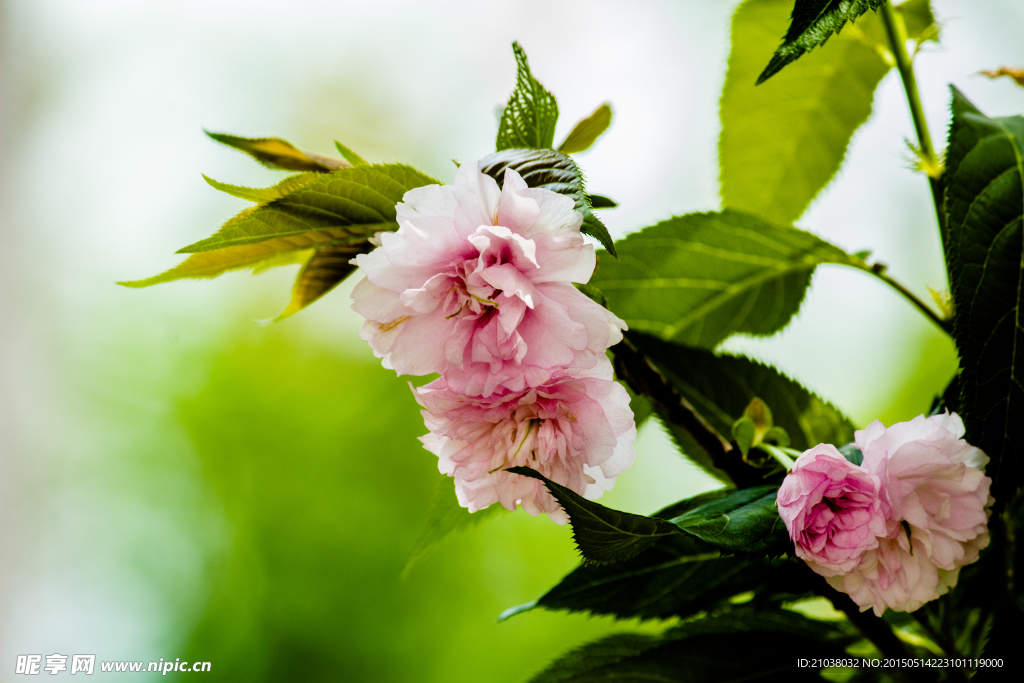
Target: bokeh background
177,481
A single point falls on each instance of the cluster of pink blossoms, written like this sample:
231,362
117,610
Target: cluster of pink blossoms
476,285
894,531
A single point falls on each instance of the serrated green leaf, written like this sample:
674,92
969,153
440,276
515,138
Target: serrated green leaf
444,518
350,156
985,253
677,576
553,171
705,651
586,132
529,118
262,195
280,154
720,387
781,142
602,534
359,200
812,23
745,521
697,279
260,256
326,268
339,210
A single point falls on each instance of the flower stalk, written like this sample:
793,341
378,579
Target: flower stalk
897,35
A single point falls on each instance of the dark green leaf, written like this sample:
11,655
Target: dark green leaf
720,388
852,453
782,142
693,451
598,201
813,23
641,407
529,118
747,645
603,534
553,171
745,521
678,576
280,154
985,251
697,279
587,131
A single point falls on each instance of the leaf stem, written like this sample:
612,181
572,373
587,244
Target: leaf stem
879,271
897,35
633,367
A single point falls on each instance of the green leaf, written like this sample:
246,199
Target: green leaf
697,279
985,253
693,450
262,195
782,142
919,20
720,387
355,202
813,23
677,576
350,156
444,518
339,210
748,645
553,171
325,269
598,201
280,154
602,534
745,521
743,434
529,118
587,131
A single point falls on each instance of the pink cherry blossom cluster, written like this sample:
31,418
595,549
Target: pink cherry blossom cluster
476,285
894,531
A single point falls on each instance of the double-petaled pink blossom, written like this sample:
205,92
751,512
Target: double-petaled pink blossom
832,509
935,500
577,430
477,286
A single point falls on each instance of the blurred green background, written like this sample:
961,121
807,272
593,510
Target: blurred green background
177,481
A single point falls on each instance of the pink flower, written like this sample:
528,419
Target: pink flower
939,500
832,510
476,284
576,430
